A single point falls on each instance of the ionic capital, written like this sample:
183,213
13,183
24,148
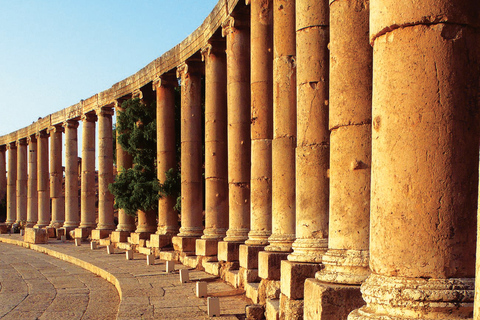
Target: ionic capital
21,142
164,81
56,128
105,112
137,94
3,148
89,117
32,138
228,26
187,68
205,51
12,145
42,134
70,124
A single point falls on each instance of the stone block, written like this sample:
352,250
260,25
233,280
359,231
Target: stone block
228,251
206,247
63,238
67,232
231,277
169,266
184,244
3,228
129,254
201,289
248,256
293,276
160,241
290,309
251,291
135,237
78,242
50,232
82,233
168,255
98,234
248,276
184,277
211,267
268,289
329,301
119,236
254,312
272,309
150,260
269,264
213,307
93,245
35,235
110,249
60,232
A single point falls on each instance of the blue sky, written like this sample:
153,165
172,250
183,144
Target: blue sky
53,53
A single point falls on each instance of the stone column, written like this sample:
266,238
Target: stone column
72,217
105,174
191,157
32,193
12,184
21,181
166,158
87,213
3,176
56,177
236,30
424,160
216,168
43,185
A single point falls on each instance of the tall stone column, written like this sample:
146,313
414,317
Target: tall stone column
72,217
216,168
105,174
32,193
12,184
56,177
87,213
166,158
43,185
3,176
424,160
191,157
236,30
21,181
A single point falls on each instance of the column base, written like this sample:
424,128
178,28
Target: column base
184,244
258,238
98,234
269,264
160,240
35,236
293,276
248,256
345,267
280,243
30,224
135,237
83,233
308,250
206,247
119,236
228,251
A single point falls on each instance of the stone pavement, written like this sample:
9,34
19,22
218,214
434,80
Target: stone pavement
146,292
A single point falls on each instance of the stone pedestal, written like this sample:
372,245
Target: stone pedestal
119,236
98,234
32,193
66,232
160,240
56,177
248,257
43,184
184,244
269,264
83,233
206,247
228,251
136,237
35,235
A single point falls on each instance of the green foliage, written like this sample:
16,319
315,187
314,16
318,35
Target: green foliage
114,135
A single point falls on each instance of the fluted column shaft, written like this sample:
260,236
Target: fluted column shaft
105,169
166,151
56,177
12,184
87,215
191,154
216,168
43,186
72,217
32,193
238,101
21,181
284,127
261,44
424,160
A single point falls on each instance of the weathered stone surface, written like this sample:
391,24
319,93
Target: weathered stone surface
255,312
184,244
119,236
290,309
35,235
228,251
248,256
269,264
293,275
268,289
206,247
160,240
98,234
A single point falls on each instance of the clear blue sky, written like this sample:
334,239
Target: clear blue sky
53,53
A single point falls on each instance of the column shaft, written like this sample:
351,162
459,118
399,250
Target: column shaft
238,101
3,177
12,184
32,193
87,215
261,44
284,130
43,186
56,177
72,217
21,181
424,160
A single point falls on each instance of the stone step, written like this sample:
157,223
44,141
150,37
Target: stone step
272,309
232,277
123,245
168,255
144,250
251,291
212,267
190,261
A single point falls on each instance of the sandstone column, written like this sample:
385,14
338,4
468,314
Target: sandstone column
32,193
236,30
56,177
3,176
216,168
87,213
191,157
424,160
43,186
166,158
12,184
21,181
72,218
105,174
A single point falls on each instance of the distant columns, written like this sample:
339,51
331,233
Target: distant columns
43,186
238,103
105,169
56,177
12,183
21,181
32,193
87,216
72,217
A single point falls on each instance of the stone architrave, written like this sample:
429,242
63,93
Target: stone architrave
105,171
56,177
3,172
166,151
72,217
12,184
43,185
32,193
425,134
261,45
21,181
285,128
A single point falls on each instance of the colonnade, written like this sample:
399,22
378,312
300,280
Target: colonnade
337,176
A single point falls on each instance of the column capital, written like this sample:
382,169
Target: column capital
12,145
205,51
89,117
41,134
234,23
137,94
71,124
21,142
186,68
105,111
56,128
32,138
3,148
165,80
